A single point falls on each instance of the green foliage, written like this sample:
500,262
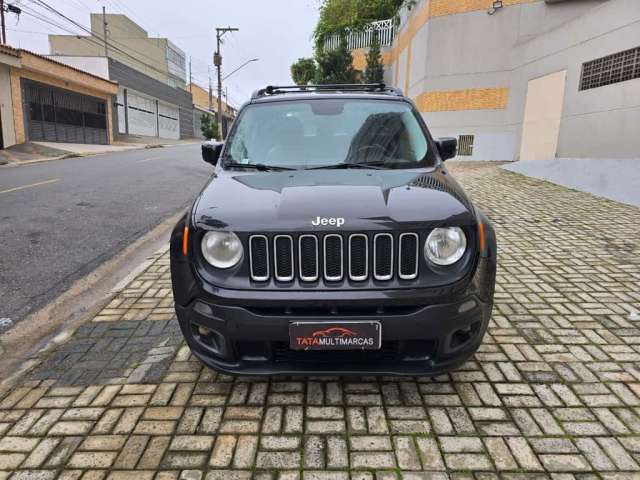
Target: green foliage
303,71
338,15
374,72
336,66
208,126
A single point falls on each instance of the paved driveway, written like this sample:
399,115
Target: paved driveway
554,392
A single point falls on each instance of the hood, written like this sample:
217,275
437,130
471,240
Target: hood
365,199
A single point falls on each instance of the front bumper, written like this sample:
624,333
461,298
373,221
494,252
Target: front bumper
422,340
424,331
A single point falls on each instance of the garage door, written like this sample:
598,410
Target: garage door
56,115
141,112
168,121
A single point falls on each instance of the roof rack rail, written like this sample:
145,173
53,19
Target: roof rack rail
344,87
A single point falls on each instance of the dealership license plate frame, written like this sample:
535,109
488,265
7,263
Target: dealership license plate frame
372,330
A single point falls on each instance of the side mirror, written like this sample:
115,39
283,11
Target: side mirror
211,151
448,147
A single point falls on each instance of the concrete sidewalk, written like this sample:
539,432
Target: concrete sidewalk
36,152
553,393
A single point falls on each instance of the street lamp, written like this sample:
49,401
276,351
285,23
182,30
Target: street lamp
241,67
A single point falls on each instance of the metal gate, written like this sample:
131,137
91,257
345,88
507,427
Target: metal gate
56,115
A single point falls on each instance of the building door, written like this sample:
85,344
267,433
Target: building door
56,115
542,116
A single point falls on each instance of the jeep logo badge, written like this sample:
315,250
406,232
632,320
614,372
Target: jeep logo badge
334,221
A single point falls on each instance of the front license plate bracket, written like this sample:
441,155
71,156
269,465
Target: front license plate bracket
362,335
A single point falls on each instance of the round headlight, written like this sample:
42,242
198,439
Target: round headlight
221,249
445,246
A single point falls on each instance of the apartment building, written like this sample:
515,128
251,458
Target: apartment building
152,98
130,45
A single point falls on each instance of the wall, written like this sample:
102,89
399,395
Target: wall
468,71
130,78
96,65
6,107
42,70
16,94
152,51
201,98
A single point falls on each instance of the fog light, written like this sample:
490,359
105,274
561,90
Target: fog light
467,306
211,339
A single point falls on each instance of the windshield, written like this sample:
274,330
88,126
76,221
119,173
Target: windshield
329,133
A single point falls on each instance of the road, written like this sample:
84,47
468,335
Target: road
60,220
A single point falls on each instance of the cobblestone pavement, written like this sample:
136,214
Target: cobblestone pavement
554,392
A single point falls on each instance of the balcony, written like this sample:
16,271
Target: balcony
362,38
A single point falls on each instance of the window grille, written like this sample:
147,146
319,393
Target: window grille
465,145
615,68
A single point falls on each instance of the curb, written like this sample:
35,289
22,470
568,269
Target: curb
36,352
79,155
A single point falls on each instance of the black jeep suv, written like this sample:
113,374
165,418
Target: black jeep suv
331,239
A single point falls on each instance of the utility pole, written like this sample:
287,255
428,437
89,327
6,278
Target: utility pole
104,31
217,61
10,8
210,91
4,33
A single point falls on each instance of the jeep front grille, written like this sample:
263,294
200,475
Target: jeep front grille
333,257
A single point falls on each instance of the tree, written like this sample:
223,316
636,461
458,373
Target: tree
303,71
336,66
208,126
374,72
338,15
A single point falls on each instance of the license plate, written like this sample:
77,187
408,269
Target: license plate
335,335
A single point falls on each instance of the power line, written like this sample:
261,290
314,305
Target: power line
112,43
109,42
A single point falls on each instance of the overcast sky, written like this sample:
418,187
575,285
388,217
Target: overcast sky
277,32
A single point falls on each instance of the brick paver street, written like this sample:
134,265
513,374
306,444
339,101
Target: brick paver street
554,392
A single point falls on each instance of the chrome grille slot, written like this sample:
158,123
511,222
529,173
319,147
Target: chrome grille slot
358,257
259,258
408,256
383,256
308,258
283,258
333,258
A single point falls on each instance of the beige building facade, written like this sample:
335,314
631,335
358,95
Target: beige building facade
129,44
523,79
44,100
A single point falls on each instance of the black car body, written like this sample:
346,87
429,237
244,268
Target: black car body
334,276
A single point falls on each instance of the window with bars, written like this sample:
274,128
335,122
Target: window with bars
465,145
615,68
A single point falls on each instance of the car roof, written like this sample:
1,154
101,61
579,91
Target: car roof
326,95
372,91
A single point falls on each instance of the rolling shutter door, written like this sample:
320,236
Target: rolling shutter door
141,112
168,121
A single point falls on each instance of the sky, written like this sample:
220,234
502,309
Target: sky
278,32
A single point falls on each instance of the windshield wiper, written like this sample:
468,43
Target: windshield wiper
345,166
258,166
